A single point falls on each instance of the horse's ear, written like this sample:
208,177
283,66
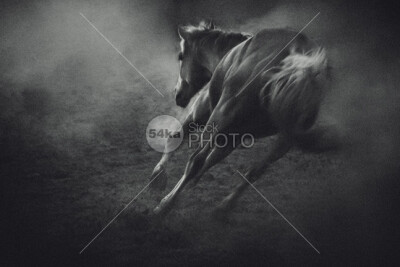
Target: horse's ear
207,25
183,33
211,25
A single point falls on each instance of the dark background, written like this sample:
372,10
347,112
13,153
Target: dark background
73,152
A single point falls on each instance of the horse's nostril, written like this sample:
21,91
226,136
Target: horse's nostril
179,99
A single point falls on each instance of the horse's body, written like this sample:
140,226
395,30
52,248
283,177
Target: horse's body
241,95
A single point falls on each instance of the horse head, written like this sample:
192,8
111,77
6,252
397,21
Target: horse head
193,74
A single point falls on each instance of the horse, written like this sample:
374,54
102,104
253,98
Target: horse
227,75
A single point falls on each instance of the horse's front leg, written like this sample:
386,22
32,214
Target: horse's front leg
278,150
159,171
198,164
199,114
192,167
202,159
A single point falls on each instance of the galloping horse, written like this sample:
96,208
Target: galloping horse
247,85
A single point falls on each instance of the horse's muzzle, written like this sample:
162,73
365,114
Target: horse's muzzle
181,100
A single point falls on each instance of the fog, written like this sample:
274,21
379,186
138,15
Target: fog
63,82
65,91
61,78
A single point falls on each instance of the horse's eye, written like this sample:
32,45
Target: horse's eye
180,56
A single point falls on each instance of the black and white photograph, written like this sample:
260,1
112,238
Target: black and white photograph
199,133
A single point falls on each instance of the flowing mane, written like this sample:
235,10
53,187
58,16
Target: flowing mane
209,38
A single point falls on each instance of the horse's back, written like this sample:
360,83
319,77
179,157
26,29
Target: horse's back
244,62
244,77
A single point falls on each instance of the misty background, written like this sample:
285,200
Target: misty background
72,110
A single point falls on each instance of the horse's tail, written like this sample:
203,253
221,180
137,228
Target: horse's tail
295,91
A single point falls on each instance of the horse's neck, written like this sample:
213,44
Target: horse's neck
215,54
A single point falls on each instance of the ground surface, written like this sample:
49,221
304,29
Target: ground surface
73,151
56,204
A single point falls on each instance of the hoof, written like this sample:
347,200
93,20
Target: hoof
157,210
160,209
158,215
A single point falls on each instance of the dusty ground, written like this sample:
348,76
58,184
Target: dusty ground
56,199
56,204
73,151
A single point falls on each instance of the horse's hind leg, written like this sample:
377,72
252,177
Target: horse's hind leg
280,147
200,161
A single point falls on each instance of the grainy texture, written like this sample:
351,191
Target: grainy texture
73,151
